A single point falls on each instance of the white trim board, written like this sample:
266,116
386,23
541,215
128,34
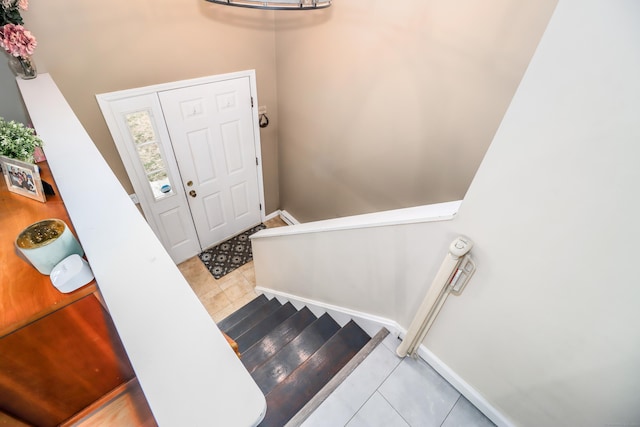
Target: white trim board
463,387
283,215
288,218
418,214
274,214
372,324
369,323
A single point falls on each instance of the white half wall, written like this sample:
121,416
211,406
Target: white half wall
547,330
380,264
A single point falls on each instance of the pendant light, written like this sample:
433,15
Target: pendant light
276,5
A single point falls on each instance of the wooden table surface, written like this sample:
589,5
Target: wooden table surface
26,295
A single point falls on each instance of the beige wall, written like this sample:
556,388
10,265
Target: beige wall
92,47
375,105
387,104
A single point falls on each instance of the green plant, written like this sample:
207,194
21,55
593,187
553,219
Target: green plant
10,11
18,141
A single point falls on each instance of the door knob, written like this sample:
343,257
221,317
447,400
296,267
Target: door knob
192,193
189,183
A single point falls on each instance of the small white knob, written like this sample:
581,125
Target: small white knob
460,246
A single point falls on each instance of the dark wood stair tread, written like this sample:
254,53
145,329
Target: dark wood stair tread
256,333
290,354
290,395
276,339
295,353
242,312
254,318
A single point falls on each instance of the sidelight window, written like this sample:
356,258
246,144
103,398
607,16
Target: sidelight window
140,124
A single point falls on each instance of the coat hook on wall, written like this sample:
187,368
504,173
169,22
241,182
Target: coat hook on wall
263,121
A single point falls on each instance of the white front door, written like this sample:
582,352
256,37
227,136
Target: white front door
191,150
211,128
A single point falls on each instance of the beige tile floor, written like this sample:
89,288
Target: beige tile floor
223,296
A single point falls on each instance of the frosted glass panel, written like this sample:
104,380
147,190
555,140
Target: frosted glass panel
140,127
140,124
151,157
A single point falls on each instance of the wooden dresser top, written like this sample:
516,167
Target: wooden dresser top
25,294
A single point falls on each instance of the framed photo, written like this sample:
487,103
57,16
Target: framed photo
22,178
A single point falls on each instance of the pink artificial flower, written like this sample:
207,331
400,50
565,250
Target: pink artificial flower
16,40
23,4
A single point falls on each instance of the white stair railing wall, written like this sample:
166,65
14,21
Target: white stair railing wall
377,264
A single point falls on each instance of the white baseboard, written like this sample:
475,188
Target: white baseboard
372,324
283,215
369,323
272,215
463,387
288,218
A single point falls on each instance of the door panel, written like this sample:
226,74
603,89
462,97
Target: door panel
211,129
202,156
239,195
175,227
213,208
231,140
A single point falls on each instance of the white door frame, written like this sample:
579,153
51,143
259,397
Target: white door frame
121,143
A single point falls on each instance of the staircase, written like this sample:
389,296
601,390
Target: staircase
291,354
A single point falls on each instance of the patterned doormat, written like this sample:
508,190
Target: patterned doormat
230,254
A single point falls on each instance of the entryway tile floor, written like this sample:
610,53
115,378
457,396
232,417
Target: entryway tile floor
384,390
223,296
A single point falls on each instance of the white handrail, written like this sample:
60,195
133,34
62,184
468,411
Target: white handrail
418,214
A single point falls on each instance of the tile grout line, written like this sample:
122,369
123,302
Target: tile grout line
451,410
377,390
394,409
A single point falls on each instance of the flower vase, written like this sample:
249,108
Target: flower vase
23,67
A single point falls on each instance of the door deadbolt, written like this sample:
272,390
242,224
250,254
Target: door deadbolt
189,183
192,193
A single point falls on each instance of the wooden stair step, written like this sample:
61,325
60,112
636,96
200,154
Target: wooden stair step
290,395
295,353
281,335
242,312
254,318
256,333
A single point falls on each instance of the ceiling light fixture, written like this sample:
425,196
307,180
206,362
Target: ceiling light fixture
276,5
